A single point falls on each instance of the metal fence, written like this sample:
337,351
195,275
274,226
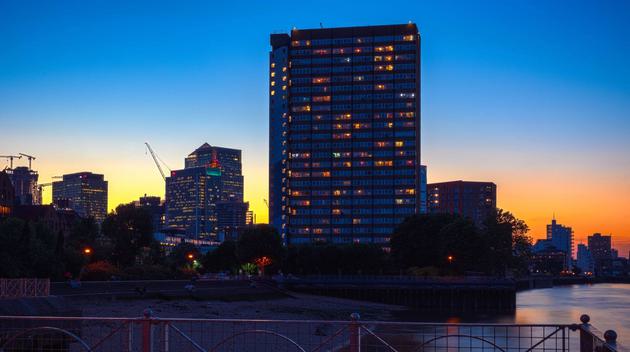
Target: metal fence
18,288
153,334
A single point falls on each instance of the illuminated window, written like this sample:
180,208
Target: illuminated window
383,163
357,50
389,67
408,38
336,192
319,80
273,92
336,211
400,143
284,69
324,98
273,83
284,87
273,74
284,78
379,87
273,64
356,221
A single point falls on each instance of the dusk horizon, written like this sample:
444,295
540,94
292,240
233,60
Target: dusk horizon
533,97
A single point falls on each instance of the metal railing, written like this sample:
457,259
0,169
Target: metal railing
18,288
151,334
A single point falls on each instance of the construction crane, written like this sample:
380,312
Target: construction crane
11,157
157,163
30,158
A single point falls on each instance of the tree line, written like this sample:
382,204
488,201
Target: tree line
123,247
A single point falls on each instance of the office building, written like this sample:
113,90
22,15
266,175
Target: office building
83,192
231,219
344,132
562,238
601,250
154,206
474,200
424,205
228,161
191,197
250,217
584,259
24,182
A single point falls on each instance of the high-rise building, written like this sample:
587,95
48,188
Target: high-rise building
155,208
584,259
250,217
24,182
231,218
211,175
228,161
562,238
601,250
344,132
474,200
191,197
83,192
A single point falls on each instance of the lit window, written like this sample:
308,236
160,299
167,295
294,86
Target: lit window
284,87
273,64
273,74
284,69
284,78
273,92
408,38
400,143
273,83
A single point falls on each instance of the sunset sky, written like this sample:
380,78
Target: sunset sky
532,95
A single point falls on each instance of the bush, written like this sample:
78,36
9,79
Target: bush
98,271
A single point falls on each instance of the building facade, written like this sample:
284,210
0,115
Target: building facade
601,250
344,142
584,259
474,200
228,161
83,192
24,182
7,194
155,207
191,197
231,219
562,238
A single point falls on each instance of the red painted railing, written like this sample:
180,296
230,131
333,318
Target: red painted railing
19,288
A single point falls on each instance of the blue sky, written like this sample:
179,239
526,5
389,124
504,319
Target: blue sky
533,95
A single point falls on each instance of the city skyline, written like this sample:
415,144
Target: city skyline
566,154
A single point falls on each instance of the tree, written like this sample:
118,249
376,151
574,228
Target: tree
510,246
130,229
260,241
221,259
184,255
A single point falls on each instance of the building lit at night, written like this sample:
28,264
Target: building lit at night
344,121
83,192
474,200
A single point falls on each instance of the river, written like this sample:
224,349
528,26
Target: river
608,305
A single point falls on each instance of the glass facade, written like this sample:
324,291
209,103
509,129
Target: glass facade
83,192
191,197
344,133
228,161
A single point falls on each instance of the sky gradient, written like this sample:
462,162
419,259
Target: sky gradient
532,95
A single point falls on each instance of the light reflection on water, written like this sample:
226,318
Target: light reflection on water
608,305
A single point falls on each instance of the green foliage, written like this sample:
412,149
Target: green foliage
332,260
28,250
130,230
259,241
221,259
249,268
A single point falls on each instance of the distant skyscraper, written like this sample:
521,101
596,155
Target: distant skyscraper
24,182
212,174
231,218
191,197
84,192
344,132
155,207
250,217
562,238
600,247
226,159
474,200
584,259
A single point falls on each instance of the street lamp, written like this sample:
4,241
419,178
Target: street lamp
87,250
190,256
450,259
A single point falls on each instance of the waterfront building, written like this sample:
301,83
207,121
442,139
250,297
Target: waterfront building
228,161
562,238
474,200
83,192
191,197
7,194
344,133
584,259
600,247
24,182
548,260
231,219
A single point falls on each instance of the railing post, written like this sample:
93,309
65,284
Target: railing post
586,339
611,341
147,330
355,333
